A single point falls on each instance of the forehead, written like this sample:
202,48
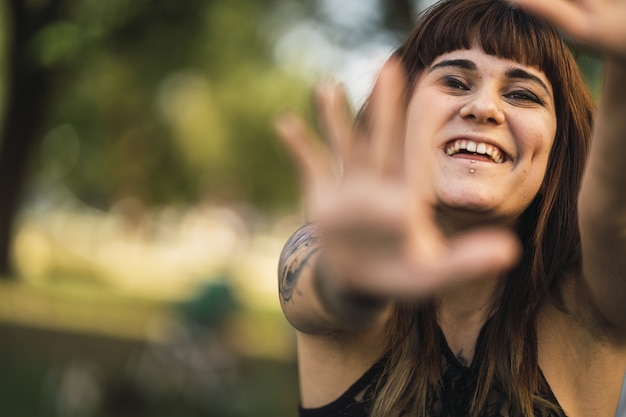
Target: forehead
479,61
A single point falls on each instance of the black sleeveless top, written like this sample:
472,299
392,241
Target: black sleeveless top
451,399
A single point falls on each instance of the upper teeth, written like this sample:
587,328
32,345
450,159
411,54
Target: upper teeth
479,148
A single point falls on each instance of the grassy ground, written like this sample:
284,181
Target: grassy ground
67,356
52,374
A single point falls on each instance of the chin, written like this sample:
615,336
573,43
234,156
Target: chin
460,213
467,210
473,199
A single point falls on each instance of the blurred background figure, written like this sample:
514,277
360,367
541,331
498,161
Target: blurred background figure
144,199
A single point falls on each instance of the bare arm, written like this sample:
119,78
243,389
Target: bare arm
310,300
602,203
602,200
338,339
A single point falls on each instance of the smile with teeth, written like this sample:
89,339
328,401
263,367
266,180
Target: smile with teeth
477,148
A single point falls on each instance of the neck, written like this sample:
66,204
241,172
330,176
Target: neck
465,307
463,311
469,303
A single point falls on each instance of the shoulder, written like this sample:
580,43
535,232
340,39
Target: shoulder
580,313
582,361
296,253
305,239
330,364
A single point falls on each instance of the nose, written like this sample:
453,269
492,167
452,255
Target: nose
483,107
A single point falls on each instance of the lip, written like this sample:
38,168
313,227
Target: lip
508,156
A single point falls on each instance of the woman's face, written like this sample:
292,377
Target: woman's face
490,123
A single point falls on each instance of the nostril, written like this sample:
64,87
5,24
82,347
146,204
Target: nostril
483,111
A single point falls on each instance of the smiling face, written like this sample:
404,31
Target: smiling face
490,124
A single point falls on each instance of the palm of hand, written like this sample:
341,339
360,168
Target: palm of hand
375,214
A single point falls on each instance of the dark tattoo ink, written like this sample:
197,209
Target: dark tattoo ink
462,359
303,244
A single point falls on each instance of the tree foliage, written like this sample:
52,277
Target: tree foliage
165,101
162,101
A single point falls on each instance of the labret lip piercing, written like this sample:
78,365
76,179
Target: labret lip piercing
472,170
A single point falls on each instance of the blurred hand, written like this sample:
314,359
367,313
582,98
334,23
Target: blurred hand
597,23
375,214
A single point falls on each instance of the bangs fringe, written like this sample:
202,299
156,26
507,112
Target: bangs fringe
496,27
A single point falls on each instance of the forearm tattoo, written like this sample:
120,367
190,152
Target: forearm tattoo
297,251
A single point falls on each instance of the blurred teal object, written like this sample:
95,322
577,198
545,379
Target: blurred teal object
211,304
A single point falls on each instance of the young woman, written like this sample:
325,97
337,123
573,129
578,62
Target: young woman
460,262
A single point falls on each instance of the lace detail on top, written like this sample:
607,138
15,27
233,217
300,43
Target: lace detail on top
450,398
458,382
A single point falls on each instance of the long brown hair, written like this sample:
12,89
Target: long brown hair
548,228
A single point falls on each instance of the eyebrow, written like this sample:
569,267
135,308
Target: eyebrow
512,73
465,64
518,73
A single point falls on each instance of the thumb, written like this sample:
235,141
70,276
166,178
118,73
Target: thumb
483,253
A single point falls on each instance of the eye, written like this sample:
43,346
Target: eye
454,83
524,96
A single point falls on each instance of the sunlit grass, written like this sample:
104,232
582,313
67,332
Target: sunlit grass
101,272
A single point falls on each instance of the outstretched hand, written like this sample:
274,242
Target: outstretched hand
375,212
597,23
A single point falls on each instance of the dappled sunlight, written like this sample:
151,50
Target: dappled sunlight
148,224
187,102
173,303
160,253
180,301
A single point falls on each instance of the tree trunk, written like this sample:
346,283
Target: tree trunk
27,90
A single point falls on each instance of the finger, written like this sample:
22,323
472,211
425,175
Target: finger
291,129
485,254
481,254
571,17
311,158
387,117
337,120
425,238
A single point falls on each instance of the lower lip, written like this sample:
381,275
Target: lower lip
477,158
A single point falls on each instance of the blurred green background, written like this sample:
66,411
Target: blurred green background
144,198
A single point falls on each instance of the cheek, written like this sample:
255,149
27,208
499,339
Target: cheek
417,124
537,138
549,133
538,165
427,113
